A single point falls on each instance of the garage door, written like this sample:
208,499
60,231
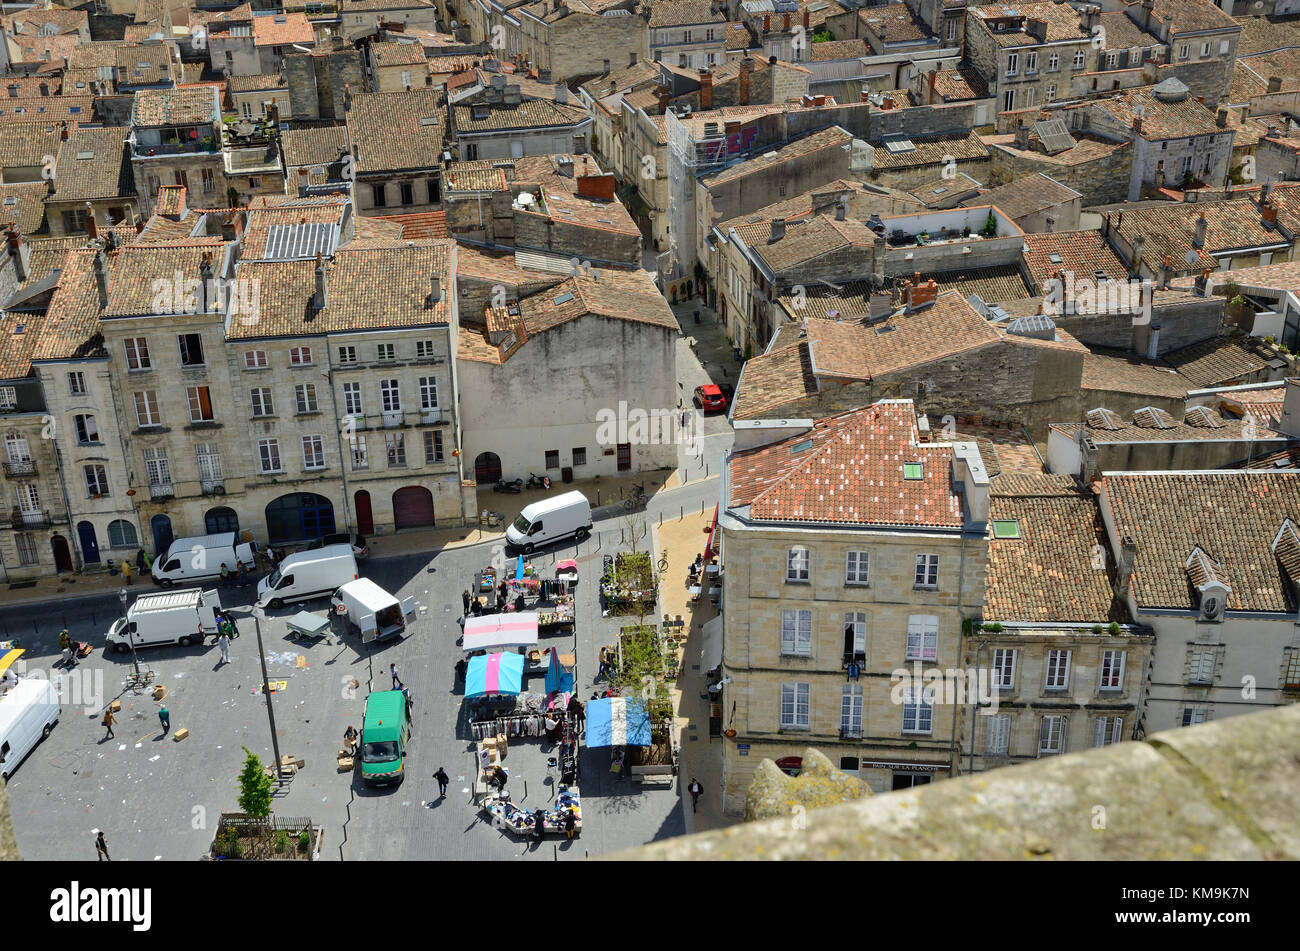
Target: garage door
412,507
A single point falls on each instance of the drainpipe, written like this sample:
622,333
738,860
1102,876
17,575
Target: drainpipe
73,535
961,585
1137,722
338,435
974,708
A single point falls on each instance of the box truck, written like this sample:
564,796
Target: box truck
170,617
201,557
540,523
370,610
28,713
307,574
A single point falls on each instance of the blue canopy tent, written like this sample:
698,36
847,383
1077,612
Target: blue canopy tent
617,721
559,675
494,674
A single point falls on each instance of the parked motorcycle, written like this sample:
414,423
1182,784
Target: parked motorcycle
514,485
539,481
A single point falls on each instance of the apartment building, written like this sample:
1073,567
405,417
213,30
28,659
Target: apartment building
851,550
396,140
1058,648
691,34
1028,54
176,140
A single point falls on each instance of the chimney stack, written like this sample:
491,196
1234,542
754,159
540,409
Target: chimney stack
1274,84
101,277
785,26
1124,565
92,226
778,230
18,251
1137,124
1268,215
1201,225
205,283
1221,120
916,294
322,292
1162,280
767,22
805,19
706,89
1153,344
1290,421
1139,242
746,67
435,288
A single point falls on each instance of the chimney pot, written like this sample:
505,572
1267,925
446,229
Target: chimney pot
778,229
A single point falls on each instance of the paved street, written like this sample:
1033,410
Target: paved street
158,798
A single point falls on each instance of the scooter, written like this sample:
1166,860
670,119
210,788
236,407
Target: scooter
514,485
539,482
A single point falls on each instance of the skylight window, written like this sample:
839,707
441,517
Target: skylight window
801,447
1006,528
564,298
913,470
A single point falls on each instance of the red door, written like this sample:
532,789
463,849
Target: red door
365,520
624,456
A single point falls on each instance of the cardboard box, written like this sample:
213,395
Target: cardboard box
345,764
159,691
286,761
116,706
180,735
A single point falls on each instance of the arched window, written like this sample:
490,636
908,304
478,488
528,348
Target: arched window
121,534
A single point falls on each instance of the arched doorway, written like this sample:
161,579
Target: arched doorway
298,516
487,468
62,554
161,526
365,518
412,507
89,543
221,519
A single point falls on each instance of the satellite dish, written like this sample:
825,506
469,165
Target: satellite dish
1190,257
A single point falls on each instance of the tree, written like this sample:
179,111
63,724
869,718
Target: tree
254,788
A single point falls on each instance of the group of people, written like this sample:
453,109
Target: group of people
238,578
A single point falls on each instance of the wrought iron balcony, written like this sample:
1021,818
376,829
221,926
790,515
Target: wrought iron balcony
20,469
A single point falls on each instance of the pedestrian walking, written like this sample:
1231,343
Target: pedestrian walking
101,847
539,824
139,560
570,823
270,556
603,672
696,791
397,682
465,599
223,642
109,720
244,574
225,575
441,777
577,712
350,738
165,718
461,667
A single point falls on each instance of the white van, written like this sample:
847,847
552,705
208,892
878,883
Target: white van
307,574
550,520
28,713
201,557
371,610
171,617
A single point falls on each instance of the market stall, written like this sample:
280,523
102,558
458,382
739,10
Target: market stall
560,673
494,674
500,630
617,721
508,817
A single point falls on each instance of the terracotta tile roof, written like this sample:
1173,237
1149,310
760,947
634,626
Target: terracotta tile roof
1264,405
37,20
376,233
348,6
30,86
28,143
1171,230
27,210
992,284
1007,453
570,209
314,146
1260,35
738,37
367,288
390,130
1193,16
774,379
931,150
454,63
529,114
397,54
854,301
140,265
630,77
1247,83
1063,23
499,267
257,229
35,108
254,83
1232,516
839,49
188,105
957,85
1048,574
849,470
1160,119
667,13
820,141
1026,196
47,255
805,240
1123,34
1198,425
893,23
618,295
93,164
1216,362
1282,275
1080,252
71,328
429,224
474,177
283,29
1087,148
1119,373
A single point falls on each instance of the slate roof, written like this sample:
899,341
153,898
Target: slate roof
388,130
1234,518
1048,574
849,470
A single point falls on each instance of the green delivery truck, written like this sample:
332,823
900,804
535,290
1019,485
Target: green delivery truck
384,735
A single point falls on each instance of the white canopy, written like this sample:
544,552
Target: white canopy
515,629
711,653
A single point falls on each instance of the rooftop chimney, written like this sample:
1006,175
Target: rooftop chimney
706,89
435,288
1137,124
767,22
92,226
101,277
1124,566
1275,84
322,292
1221,120
916,294
746,67
19,252
968,472
786,24
805,19
1153,343
1268,215
778,230
205,283
1139,242
1201,225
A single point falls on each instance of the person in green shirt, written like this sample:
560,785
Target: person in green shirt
165,718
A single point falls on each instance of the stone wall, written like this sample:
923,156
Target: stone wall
925,120
1181,325
917,175
1100,182
540,233
1216,792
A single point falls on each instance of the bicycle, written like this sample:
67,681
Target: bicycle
637,499
663,560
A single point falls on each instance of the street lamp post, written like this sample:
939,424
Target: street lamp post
266,692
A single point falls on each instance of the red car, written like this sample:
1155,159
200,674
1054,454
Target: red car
709,397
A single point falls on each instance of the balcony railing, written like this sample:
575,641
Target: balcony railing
161,490
212,486
850,733
23,519
24,467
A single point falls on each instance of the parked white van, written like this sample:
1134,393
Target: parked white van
169,617
201,557
550,520
307,574
371,610
28,713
